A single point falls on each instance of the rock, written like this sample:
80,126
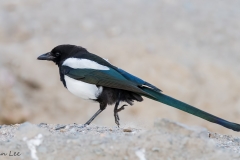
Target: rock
175,127
127,130
168,140
28,131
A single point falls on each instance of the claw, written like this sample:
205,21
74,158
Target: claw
121,108
117,119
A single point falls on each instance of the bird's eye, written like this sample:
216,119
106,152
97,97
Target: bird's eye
57,54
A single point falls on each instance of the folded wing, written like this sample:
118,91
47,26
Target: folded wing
107,78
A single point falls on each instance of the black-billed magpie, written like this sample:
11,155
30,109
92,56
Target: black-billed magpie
91,77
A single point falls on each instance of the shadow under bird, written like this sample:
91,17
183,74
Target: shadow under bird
91,77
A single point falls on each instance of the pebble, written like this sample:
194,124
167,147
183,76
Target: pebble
58,127
155,149
127,130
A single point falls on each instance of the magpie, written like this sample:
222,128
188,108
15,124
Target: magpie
91,77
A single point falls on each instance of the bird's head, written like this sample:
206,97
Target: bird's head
61,53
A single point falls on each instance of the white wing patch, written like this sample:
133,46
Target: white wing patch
77,63
82,89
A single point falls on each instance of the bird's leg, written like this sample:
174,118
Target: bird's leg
93,117
102,107
116,114
116,110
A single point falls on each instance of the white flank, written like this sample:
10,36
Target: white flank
82,89
77,63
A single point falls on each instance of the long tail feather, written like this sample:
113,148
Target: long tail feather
190,109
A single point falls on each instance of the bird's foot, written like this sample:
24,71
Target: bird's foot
116,119
116,116
82,125
122,108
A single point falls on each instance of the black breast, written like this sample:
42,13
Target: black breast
62,78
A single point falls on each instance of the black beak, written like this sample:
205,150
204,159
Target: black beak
46,56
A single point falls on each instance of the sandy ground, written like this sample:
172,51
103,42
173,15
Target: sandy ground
166,140
189,49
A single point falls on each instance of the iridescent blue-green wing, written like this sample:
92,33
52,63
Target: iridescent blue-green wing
107,78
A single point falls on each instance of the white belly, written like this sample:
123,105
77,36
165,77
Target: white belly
82,89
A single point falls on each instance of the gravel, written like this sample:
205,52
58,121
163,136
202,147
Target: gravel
166,140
